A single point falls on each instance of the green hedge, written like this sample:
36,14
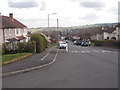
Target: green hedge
41,42
106,43
29,47
97,42
37,44
3,50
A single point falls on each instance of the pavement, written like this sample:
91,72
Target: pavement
81,67
33,61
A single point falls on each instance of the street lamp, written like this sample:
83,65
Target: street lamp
49,21
58,28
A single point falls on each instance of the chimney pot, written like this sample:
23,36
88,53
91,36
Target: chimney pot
11,15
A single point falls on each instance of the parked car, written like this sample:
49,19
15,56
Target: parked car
74,42
63,45
84,44
77,42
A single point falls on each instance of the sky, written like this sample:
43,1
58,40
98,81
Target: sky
34,13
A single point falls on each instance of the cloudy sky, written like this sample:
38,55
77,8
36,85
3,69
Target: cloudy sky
34,13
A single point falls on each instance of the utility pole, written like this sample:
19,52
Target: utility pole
48,27
58,29
49,22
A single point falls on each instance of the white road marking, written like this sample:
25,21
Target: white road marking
45,56
108,51
95,51
75,51
55,56
87,51
103,51
72,51
83,51
29,69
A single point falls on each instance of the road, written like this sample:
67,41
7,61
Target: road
81,67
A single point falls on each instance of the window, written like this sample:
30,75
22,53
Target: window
9,31
17,32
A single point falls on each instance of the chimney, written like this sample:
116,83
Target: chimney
11,15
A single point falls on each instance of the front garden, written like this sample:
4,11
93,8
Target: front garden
36,44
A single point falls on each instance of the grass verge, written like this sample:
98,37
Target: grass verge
9,57
52,44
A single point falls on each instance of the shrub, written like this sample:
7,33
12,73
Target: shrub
97,42
106,43
21,47
41,42
29,47
3,51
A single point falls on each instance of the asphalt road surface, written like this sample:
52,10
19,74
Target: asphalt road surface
81,67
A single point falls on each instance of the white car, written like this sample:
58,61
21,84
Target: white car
63,45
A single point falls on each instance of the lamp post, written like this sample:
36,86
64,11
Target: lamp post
58,28
49,21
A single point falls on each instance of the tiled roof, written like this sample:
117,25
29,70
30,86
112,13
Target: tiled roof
118,25
20,37
8,22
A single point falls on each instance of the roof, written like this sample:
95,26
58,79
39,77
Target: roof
20,37
16,38
12,39
118,25
8,22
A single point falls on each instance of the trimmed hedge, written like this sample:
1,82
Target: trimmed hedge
3,50
106,43
97,42
37,44
41,42
29,47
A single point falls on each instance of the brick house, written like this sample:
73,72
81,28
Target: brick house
12,31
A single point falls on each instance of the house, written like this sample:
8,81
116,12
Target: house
11,30
106,35
47,38
118,32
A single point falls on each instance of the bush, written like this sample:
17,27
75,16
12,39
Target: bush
37,43
3,51
21,47
41,42
97,42
106,43
29,47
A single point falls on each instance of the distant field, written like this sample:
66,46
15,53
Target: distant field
35,30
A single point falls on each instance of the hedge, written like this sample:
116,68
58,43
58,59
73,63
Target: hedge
41,42
37,44
106,43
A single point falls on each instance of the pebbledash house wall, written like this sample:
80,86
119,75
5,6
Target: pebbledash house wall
18,29
1,37
11,33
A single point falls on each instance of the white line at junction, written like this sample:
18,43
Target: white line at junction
45,56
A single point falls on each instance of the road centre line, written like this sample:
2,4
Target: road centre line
45,56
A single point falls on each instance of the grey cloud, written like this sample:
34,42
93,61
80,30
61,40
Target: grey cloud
113,11
23,4
43,5
91,16
92,4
